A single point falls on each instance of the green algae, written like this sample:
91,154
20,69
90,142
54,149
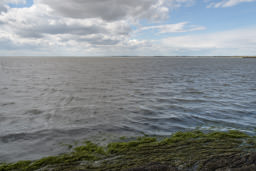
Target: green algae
183,150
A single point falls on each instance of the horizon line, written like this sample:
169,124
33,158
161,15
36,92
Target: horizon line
239,56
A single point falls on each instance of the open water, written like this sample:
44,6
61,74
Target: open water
48,102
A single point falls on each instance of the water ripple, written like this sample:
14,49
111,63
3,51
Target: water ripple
47,101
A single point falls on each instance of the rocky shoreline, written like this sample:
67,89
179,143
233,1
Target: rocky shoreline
194,150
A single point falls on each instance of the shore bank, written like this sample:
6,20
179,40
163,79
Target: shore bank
193,150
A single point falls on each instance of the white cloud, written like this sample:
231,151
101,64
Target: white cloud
77,24
173,28
36,24
89,28
227,3
233,42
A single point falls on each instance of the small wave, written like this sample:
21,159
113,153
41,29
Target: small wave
145,111
170,119
208,120
152,129
192,91
38,134
190,100
7,104
34,112
162,100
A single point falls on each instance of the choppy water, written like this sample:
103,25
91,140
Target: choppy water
48,101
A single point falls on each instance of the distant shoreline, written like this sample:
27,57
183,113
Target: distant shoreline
127,56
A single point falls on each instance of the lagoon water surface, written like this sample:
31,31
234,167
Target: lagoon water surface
48,102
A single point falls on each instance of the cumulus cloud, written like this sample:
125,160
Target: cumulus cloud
109,10
36,23
106,27
227,3
84,24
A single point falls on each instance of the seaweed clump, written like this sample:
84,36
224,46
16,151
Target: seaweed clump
193,150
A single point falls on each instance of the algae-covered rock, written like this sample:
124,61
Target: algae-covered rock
194,150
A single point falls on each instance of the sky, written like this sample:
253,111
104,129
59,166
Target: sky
127,27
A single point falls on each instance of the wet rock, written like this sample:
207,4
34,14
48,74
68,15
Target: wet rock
238,162
155,167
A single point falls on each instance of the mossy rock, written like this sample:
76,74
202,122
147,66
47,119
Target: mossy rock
192,150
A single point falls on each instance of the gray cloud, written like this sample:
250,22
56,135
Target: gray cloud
2,8
80,20
85,25
109,10
36,23
40,30
99,40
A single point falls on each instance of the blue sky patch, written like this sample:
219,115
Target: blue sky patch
28,3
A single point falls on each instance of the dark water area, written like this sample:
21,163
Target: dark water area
48,102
